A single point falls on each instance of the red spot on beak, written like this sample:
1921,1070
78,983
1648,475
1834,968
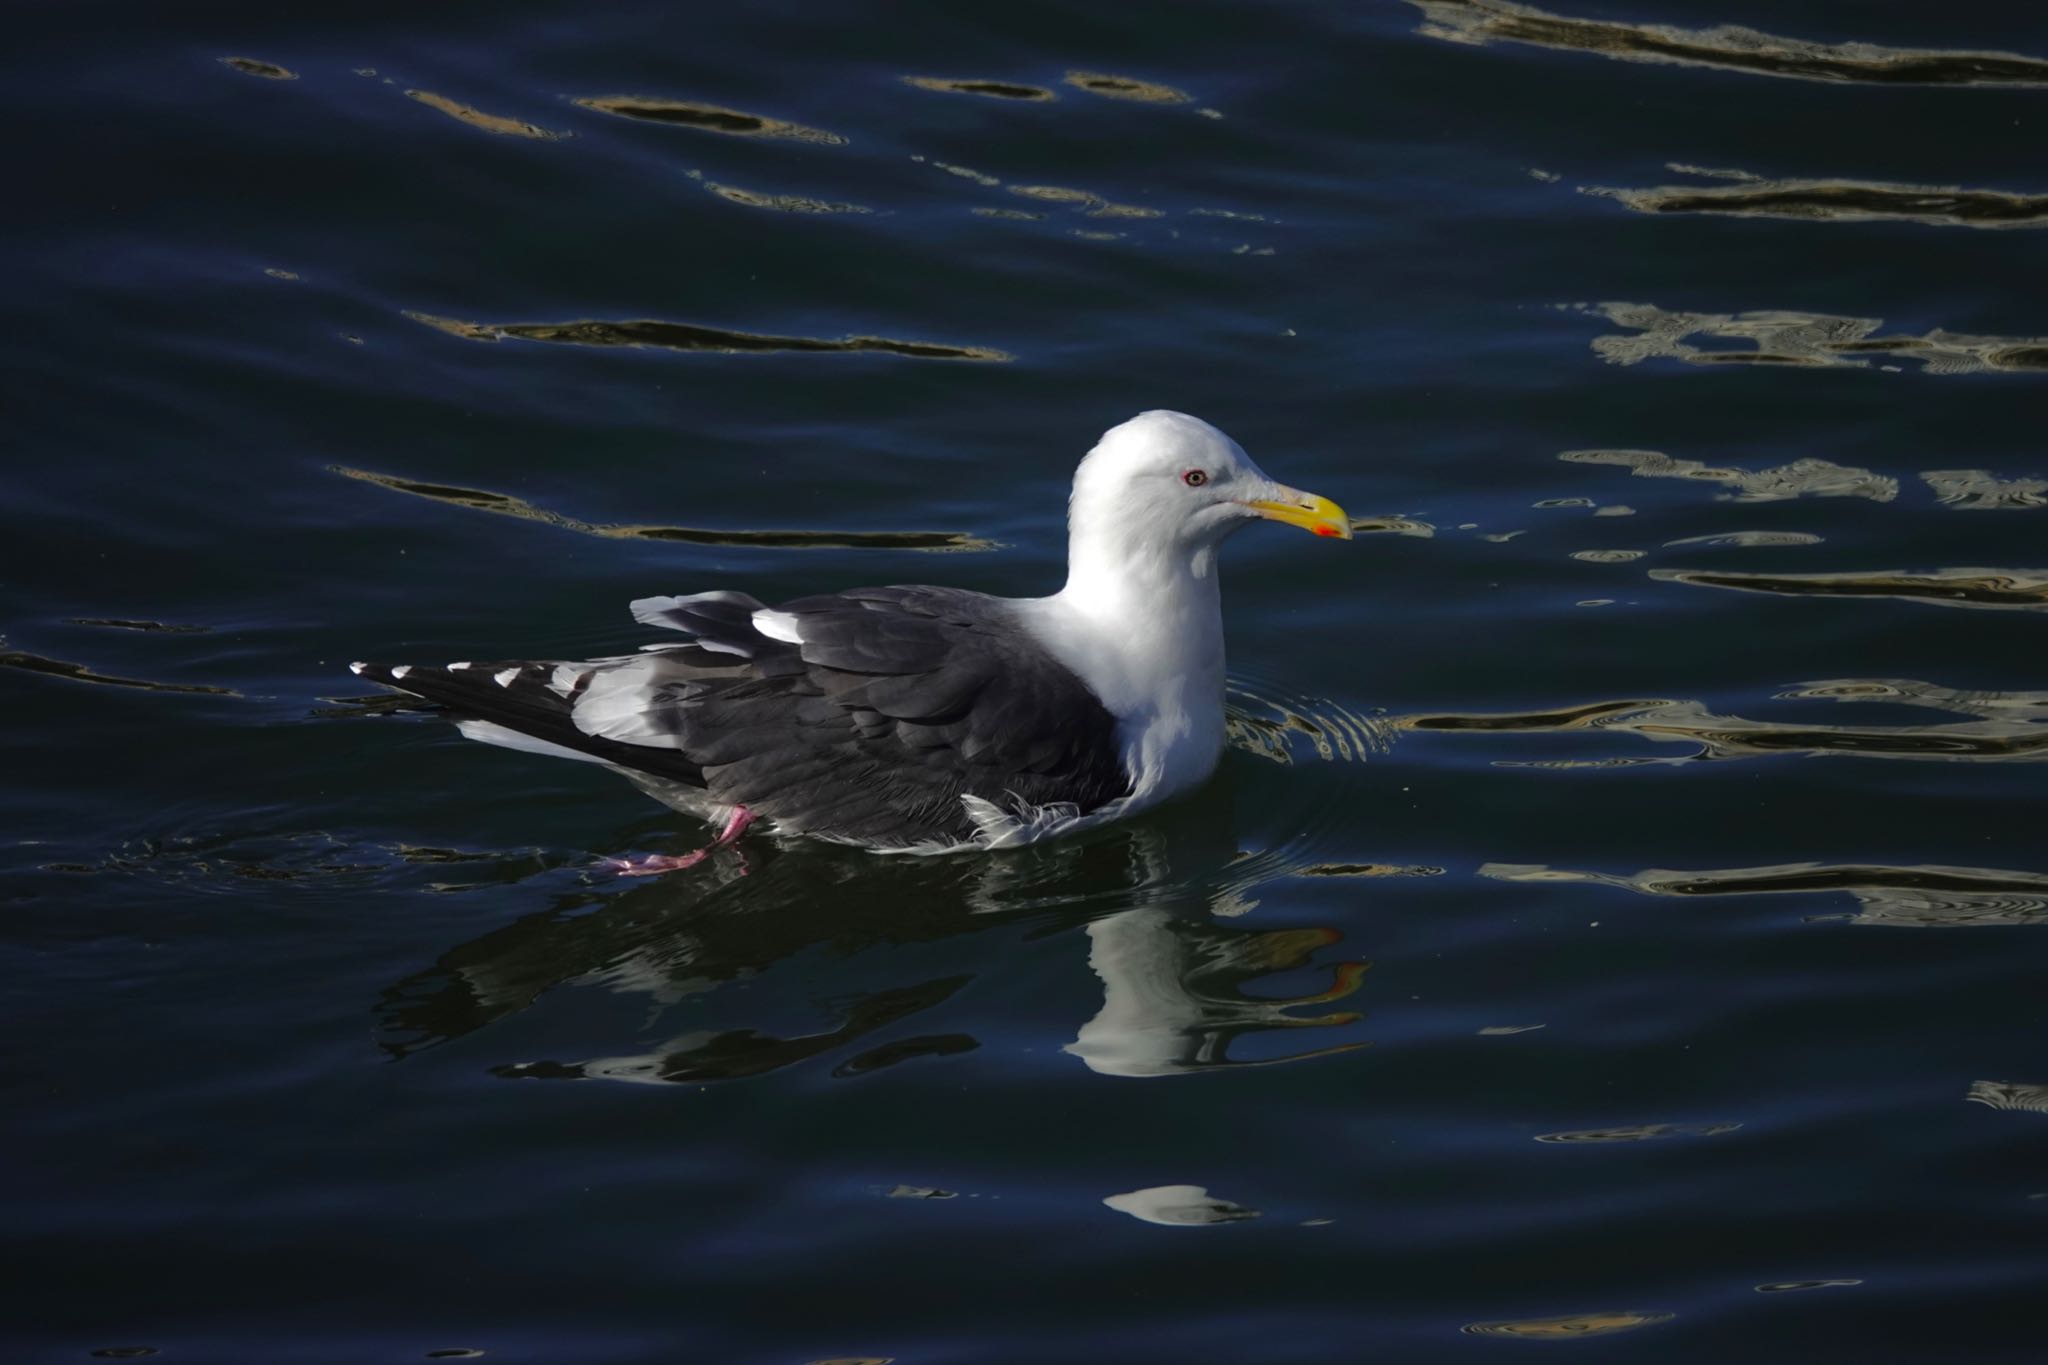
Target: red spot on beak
1326,530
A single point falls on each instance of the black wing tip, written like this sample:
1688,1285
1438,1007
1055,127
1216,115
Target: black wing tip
411,677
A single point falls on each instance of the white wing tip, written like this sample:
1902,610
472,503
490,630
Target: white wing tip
777,625
648,611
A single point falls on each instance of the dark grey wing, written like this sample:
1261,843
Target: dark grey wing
902,701
865,717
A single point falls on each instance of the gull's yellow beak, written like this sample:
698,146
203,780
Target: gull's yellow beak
1306,510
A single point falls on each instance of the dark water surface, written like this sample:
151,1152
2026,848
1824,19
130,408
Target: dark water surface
1622,918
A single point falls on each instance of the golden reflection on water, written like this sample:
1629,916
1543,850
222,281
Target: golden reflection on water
1979,490
780,203
1001,90
1728,47
1813,340
1744,540
478,119
1839,201
1924,896
1986,589
1056,194
1574,1325
1982,703
964,172
1125,88
1802,478
710,118
1267,725
250,66
2001,726
690,336
505,505
1088,204
1092,204
63,668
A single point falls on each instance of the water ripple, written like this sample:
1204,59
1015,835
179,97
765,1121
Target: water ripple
1988,589
1573,1325
1727,47
1801,478
1925,896
505,505
1000,90
487,123
64,668
1637,1132
690,336
2004,730
1809,340
1979,490
709,118
1125,88
250,66
1839,201
1267,724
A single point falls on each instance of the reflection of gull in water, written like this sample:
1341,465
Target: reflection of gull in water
1179,1206
1170,971
1167,1005
710,1056
2009,1095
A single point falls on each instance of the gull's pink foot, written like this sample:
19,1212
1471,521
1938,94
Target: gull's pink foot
657,863
654,864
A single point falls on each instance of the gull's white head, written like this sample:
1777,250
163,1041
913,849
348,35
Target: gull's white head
1169,486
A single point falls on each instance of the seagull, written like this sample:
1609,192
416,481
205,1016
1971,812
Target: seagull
925,719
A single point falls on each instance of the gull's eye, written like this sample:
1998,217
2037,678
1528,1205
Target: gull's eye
1195,478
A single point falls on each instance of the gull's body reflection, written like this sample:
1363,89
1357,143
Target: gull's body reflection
1169,999
1148,908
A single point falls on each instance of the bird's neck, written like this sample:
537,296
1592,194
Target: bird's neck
1151,619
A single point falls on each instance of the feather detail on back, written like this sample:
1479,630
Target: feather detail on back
912,719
